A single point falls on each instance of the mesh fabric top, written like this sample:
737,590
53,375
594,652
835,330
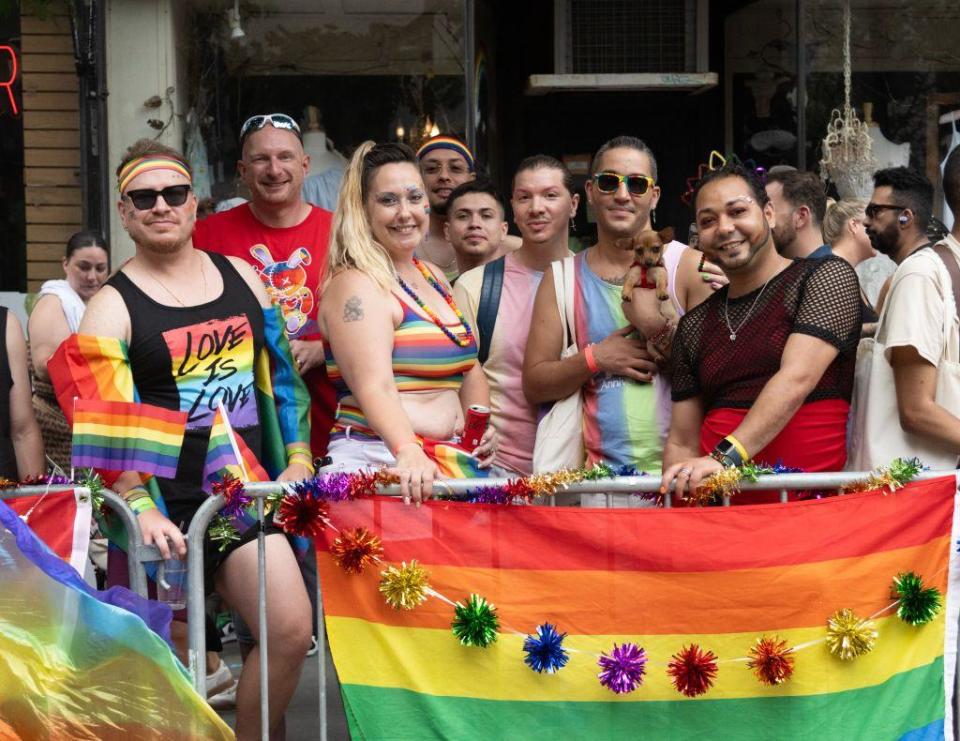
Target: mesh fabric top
814,297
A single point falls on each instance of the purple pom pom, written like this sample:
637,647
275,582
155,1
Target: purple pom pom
489,495
623,670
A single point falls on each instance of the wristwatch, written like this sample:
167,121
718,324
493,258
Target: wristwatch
726,454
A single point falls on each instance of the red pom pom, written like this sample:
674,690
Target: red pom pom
519,488
354,550
771,660
303,514
692,670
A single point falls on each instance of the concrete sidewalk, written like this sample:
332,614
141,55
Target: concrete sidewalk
302,720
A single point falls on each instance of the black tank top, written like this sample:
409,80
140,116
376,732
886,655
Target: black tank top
8,458
190,359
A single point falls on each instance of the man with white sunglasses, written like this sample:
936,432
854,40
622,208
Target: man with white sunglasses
285,239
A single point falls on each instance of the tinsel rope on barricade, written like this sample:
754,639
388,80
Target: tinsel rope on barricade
476,621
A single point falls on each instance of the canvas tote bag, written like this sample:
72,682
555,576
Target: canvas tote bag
559,442
875,436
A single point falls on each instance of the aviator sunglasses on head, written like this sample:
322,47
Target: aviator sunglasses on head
277,120
144,200
609,182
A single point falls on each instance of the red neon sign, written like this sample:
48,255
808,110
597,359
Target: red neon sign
8,85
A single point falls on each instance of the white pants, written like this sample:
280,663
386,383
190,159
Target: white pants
354,454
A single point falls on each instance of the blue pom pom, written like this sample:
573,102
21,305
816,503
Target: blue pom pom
545,651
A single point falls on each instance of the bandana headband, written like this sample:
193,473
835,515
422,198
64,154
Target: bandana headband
447,142
147,164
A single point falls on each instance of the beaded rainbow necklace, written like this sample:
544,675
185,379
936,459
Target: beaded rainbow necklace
467,337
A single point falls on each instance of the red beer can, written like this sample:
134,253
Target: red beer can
478,416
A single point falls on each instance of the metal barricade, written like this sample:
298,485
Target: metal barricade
138,553
614,487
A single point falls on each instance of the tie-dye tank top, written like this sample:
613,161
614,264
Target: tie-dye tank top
623,419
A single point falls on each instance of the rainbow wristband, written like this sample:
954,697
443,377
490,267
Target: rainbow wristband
140,502
591,360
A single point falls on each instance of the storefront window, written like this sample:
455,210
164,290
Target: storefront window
12,213
382,71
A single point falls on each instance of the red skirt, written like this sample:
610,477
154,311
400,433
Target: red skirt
815,439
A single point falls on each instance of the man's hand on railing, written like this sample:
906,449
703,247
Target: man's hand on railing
295,472
158,530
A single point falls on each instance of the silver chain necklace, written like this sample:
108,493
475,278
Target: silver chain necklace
726,309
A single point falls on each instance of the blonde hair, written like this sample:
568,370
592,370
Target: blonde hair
838,215
352,244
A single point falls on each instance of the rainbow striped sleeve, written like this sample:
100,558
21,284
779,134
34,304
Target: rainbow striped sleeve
89,367
125,436
283,383
663,579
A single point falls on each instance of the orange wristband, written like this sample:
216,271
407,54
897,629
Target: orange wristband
591,361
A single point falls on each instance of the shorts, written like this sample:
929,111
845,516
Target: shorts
349,454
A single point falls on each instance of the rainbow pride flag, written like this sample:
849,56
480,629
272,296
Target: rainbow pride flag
75,664
222,457
717,577
125,436
453,462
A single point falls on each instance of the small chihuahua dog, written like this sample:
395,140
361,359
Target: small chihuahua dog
647,270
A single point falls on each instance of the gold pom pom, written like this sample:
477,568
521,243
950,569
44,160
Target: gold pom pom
404,588
546,484
848,636
722,483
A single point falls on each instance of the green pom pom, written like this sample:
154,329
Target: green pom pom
223,532
918,604
752,471
476,623
904,470
599,470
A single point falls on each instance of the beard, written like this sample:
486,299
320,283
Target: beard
783,237
884,242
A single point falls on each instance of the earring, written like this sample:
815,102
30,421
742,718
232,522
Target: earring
573,226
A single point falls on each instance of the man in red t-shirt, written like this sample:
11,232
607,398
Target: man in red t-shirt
285,239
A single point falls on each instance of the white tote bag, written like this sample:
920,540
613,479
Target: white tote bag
875,436
559,442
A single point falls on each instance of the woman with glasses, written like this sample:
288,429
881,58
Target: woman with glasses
55,316
399,352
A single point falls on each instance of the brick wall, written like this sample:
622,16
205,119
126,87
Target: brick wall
51,135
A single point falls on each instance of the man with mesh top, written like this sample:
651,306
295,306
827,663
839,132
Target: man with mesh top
763,369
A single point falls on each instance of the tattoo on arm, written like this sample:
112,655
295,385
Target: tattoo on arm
353,309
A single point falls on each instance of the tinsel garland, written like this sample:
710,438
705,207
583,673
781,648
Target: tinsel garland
692,670
235,496
405,587
771,660
918,604
475,623
848,636
354,550
726,482
887,478
622,671
544,650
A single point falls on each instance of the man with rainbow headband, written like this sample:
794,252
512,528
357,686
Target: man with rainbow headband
193,333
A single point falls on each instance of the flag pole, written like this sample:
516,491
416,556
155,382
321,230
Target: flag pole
233,440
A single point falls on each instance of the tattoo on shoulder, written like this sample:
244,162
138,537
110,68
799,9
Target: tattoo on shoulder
353,309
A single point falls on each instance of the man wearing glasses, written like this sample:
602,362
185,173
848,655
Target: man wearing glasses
180,329
918,329
626,402
285,239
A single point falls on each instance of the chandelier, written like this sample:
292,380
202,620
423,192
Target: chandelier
847,157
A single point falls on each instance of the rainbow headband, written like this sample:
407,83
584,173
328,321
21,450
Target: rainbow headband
146,164
447,142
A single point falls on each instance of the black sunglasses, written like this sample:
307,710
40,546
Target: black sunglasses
173,195
609,182
873,209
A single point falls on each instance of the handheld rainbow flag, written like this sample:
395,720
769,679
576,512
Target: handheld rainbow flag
453,462
125,436
228,454
74,664
713,587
